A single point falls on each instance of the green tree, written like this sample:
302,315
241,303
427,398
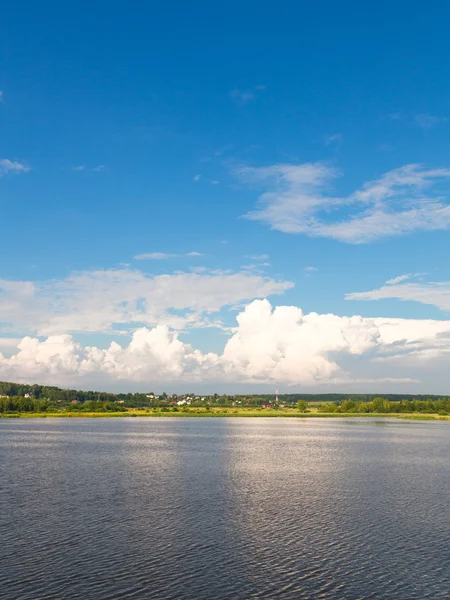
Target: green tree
302,405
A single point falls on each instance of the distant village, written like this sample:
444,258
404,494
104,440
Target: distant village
29,398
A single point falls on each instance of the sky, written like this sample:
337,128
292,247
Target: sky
225,196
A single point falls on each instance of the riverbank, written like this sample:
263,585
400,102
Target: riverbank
220,413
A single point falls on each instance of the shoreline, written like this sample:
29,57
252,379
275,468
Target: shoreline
220,415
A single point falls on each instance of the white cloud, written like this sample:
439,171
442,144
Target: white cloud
1,97
163,255
259,256
333,140
200,177
96,169
257,267
119,300
269,345
398,279
8,342
298,200
423,120
154,256
434,293
12,166
311,269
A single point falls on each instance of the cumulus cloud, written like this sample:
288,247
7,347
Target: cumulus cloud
269,345
299,200
12,166
123,299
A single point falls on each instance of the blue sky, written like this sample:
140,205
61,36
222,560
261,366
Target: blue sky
275,142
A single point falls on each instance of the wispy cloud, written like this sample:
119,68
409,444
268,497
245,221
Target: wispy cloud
163,255
199,177
12,166
121,299
1,97
401,278
257,267
154,256
427,121
258,256
400,288
299,200
311,269
97,169
423,120
333,140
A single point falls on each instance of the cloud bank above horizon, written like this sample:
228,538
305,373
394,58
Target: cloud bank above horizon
269,346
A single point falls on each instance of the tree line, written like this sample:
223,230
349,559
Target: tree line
54,393
17,397
13,404
440,406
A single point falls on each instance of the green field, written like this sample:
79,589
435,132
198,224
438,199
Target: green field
220,412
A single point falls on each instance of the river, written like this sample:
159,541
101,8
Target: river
224,508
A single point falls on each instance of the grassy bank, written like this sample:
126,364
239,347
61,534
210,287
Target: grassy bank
218,412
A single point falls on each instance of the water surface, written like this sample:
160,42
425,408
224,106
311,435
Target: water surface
224,509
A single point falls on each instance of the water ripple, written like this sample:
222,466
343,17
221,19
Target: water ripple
200,509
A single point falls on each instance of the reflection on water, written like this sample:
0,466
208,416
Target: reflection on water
224,508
